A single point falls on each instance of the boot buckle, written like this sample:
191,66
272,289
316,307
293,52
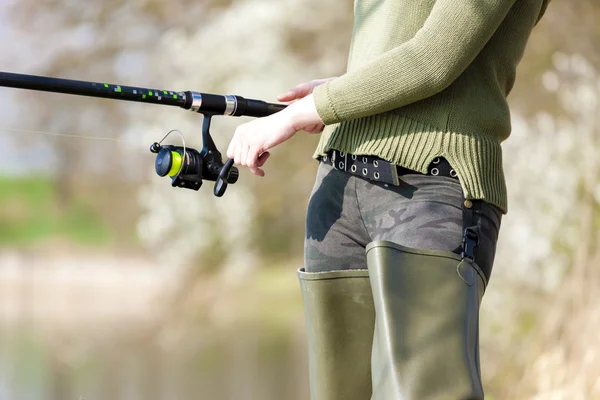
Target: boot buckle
469,242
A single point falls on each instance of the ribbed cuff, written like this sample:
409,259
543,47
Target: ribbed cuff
324,105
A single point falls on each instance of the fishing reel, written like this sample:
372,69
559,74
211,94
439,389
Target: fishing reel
188,167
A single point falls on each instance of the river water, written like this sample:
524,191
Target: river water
89,328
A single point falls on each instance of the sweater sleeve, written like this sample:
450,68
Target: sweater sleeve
452,36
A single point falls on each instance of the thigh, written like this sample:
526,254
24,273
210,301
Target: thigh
335,236
425,212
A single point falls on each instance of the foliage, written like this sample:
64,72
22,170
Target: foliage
29,214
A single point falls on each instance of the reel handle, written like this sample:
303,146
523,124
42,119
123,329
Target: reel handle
228,174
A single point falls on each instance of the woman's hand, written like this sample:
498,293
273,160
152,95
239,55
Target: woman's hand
252,140
301,91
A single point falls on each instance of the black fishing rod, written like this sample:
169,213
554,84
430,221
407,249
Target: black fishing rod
187,167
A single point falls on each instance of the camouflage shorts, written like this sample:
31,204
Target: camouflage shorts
346,212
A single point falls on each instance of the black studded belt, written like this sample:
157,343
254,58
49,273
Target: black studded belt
377,169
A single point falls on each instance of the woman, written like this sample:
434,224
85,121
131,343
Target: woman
404,217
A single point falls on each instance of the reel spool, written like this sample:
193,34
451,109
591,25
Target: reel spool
187,167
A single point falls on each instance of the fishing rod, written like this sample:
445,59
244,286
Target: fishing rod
185,166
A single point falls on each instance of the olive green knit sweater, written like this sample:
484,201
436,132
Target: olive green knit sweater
429,78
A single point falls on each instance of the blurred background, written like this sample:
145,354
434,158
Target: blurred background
115,285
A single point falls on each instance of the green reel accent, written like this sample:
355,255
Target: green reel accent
175,164
168,161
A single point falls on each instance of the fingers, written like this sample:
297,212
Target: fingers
260,161
246,158
231,149
238,154
244,154
287,96
250,159
257,171
300,91
254,161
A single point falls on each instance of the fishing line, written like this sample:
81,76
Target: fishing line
60,134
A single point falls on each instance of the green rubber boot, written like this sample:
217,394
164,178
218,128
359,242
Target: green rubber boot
339,325
426,341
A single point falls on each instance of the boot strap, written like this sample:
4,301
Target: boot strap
470,241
